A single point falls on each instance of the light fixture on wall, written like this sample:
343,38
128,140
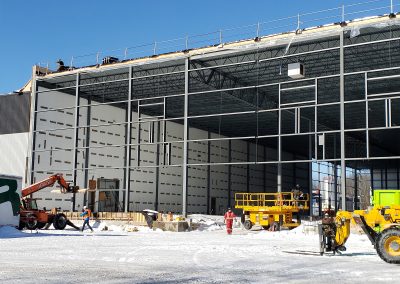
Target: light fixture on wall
296,70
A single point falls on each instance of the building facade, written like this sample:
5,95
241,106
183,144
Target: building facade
184,131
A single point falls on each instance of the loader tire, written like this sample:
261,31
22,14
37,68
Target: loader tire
21,225
60,221
32,222
40,225
247,224
388,245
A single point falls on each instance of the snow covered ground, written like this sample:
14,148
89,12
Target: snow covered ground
208,255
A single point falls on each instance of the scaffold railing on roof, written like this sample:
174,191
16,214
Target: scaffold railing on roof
290,24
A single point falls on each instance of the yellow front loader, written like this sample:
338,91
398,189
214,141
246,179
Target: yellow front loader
381,224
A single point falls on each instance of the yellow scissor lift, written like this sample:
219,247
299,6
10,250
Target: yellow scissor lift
263,209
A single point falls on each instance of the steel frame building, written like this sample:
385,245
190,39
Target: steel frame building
230,111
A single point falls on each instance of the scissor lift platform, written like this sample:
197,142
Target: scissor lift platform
271,210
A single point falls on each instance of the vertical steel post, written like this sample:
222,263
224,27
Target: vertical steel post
229,172
185,143
319,189
343,15
366,112
335,176
208,171
279,174
258,31
128,143
342,137
298,22
87,145
265,169
355,189
248,168
158,152
310,165
391,6
76,134
32,126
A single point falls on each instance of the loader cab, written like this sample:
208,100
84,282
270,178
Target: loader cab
30,204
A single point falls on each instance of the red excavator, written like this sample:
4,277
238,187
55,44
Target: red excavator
33,218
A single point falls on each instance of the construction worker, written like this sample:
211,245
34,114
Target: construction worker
273,226
86,214
229,220
297,194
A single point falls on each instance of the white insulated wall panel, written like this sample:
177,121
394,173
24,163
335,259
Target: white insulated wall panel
13,153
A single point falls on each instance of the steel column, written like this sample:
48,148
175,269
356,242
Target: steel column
248,167
128,143
279,165
185,143
157,181
87,154
355,189
32,126
342,137
366,112
76,135
310,164
208,172
229,172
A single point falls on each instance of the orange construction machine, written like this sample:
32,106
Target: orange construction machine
33,218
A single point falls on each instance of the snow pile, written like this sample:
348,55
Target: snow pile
207,222
120,228
10,232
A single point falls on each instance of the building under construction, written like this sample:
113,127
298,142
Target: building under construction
184,131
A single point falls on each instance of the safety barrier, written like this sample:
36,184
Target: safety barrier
279,199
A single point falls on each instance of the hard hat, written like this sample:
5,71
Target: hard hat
84,207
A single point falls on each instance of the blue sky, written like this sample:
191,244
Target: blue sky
42,31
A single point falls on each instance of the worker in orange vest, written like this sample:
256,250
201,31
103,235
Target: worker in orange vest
86,214
229,220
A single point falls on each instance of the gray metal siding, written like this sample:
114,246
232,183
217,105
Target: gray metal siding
14,113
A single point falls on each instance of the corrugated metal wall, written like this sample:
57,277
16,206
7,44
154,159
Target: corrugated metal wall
14,113
14,129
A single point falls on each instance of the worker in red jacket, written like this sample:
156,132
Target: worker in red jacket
229,220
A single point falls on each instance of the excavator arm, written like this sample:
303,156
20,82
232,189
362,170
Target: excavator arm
48,182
